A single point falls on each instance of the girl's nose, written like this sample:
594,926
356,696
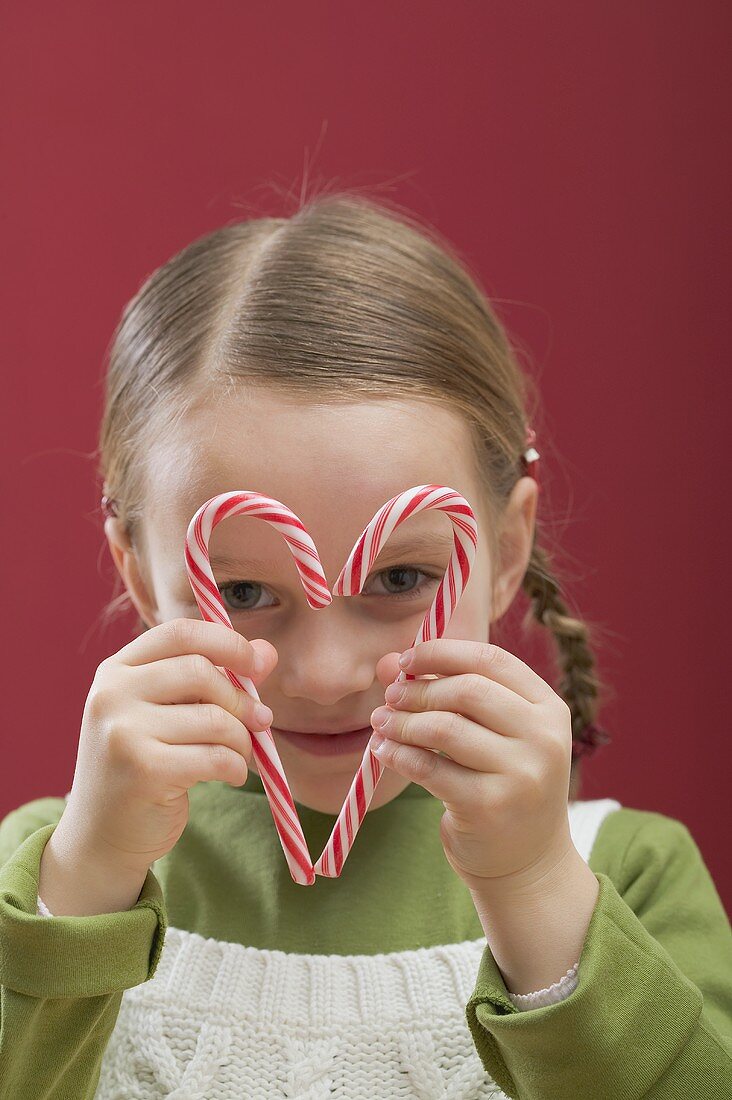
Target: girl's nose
326,661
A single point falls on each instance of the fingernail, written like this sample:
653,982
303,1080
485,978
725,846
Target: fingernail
263,714
381,716
377,744
395,693
406,658
258,664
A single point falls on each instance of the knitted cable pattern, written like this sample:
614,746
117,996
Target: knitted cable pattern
222,1021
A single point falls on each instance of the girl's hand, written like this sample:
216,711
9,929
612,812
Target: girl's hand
159,718
504,778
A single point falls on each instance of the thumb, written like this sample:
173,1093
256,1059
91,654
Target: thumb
267,651
387,668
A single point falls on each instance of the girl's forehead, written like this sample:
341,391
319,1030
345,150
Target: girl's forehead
315,458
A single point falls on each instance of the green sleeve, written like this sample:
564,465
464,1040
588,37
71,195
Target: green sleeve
651,1015
62,978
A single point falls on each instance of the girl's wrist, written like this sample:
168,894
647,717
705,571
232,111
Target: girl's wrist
536,932
73,882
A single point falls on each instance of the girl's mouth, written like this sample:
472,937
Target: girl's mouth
327,744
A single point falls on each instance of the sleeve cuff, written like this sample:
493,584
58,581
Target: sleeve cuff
73,956
43,910
558,991
632,1002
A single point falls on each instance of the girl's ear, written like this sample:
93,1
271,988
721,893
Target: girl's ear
128,567
516,540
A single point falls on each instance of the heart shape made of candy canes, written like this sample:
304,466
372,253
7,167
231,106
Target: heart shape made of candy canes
353,576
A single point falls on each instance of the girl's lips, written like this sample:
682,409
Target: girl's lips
327,744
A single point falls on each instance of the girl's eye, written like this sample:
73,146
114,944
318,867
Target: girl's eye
243,595
395,575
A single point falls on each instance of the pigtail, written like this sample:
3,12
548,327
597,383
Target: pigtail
579,684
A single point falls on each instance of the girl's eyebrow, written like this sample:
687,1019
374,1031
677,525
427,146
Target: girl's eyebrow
414,543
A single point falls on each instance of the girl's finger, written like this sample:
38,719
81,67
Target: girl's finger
224,647
466,743
185,765
477,698
191,678
197,723
448,656
446,780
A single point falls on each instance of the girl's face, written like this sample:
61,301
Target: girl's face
334,466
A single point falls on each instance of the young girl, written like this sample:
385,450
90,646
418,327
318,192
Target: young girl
491,934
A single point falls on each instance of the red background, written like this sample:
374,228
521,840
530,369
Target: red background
576,153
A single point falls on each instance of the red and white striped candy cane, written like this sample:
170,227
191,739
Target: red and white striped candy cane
352,578
208,598
350,582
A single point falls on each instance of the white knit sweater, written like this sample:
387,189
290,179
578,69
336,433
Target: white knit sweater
221,1021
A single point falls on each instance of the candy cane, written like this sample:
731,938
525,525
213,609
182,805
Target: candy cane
208,598
352,578
350,582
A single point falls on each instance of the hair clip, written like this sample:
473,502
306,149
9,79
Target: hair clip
530,457
109,506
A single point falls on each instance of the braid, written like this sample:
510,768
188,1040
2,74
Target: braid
579,684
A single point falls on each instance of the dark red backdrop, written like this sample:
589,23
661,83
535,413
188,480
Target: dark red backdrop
576,153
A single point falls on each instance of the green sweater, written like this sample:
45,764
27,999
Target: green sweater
226,979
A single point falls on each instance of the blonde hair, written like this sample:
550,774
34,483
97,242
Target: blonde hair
346,297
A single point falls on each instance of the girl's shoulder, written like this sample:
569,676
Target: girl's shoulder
629,840
26,819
